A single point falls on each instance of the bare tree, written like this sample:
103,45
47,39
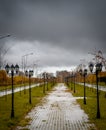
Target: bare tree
3,50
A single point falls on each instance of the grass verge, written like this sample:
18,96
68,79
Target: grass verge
91,107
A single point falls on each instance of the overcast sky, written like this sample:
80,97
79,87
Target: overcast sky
59,32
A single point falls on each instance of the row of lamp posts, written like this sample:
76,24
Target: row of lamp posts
29,74
84,73
98,67
73,79
15,69
72,76
45,78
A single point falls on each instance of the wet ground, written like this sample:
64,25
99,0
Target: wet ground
18,89
102,88
6,92
59,111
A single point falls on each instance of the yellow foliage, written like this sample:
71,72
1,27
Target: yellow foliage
3,76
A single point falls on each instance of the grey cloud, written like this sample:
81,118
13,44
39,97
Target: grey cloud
53,20
68,25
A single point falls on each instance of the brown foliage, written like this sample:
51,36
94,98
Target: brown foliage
3,77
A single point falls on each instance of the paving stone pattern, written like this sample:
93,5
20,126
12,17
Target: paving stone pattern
59,111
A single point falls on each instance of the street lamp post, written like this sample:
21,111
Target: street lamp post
98,69
12,68
44,77
74,82
84,73
53,80
29,74
67,81
47,80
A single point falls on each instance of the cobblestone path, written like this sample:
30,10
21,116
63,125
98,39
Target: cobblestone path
59,111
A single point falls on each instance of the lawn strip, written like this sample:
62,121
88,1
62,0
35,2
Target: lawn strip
90,108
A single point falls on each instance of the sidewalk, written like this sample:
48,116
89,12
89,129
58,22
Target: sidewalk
18,89
102,88
59,111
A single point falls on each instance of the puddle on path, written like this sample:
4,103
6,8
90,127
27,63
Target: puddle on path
59,112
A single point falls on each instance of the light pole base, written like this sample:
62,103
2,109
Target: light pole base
98,115
12,114
84,101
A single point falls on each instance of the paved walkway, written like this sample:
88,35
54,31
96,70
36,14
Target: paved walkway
102,88
59,111
21,88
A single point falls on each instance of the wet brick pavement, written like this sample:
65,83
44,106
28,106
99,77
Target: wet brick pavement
59,111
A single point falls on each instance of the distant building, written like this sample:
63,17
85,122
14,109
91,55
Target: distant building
21,73
61,75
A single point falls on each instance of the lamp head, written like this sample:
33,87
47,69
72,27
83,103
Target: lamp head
17,68
85,72
12,68
7,67
91,65
99,67
26,73
80,71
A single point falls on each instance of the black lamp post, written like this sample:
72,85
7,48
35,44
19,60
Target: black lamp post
29,74
44,77
53,80
84,73
47,76
98,69
74,82
12,68
66,80
71,77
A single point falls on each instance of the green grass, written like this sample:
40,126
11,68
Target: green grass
21,107
90,108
